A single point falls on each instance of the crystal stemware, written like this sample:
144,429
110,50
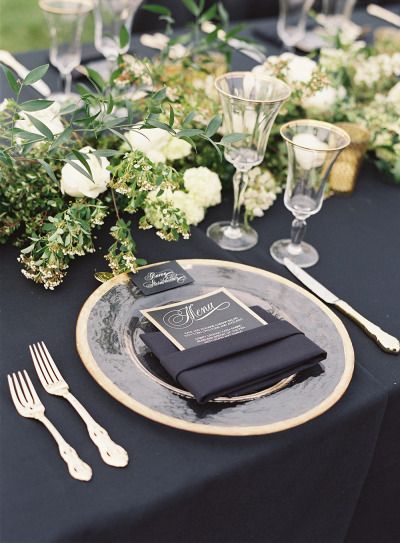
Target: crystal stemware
336,12
313,147
250,104
109,17
66,20
291,27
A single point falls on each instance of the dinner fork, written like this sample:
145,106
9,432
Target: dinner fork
54,383
28,404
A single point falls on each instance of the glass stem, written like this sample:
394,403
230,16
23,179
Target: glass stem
297,235
68,83
240,181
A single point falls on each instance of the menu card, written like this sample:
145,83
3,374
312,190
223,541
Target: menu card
210,317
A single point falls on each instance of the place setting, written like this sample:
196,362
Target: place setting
198,329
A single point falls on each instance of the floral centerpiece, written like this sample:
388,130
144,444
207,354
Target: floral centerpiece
149,141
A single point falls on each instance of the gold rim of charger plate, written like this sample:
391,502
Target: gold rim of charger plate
106,383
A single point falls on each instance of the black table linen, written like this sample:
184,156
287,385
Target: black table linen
332,480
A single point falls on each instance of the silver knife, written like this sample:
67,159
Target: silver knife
388,343
10,61
383,13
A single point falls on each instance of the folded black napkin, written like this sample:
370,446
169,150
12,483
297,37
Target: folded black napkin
238,365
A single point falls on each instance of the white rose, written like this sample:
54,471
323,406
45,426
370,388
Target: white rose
76,184
299,69
149,141
157,144
177,148
324,99
203,185
394,93
4,104
177,51
310,153
193,212
49,116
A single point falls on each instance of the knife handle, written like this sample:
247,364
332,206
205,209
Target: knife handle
388,343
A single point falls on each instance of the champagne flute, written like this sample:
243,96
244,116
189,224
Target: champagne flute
66,20
313,147
336,12
291,26
109,17
250,105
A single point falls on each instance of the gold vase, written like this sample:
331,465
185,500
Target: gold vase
344,172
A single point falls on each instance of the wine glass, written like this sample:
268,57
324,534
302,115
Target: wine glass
66,20
109,18
335,12
250,104
313,147
292,20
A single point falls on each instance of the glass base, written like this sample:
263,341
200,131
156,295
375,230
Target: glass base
64,98
233,239
303,255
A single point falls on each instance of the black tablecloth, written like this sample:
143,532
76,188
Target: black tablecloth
331,480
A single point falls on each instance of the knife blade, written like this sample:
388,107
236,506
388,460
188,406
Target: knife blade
385,341
384,14
7,58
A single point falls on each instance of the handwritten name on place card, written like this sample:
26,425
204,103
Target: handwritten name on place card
160,277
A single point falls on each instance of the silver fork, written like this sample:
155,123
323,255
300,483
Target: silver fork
54,383
28,404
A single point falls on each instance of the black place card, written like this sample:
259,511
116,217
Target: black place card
160,277
210,317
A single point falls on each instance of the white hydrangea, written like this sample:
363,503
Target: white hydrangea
372,69
323,100
193,212
203,185
157,144
260,193
49,116
298,69
176,148
394,93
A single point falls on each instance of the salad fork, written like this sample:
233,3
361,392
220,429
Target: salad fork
28,404
54,383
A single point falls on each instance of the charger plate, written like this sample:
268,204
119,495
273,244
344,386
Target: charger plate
108,341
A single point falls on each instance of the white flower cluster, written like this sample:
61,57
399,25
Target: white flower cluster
203,189
375,68
157,144
323,100
260,193
295,68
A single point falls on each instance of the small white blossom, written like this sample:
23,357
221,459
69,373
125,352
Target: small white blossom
260,193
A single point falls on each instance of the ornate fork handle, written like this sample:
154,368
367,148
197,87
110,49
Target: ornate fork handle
111,453
77,468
